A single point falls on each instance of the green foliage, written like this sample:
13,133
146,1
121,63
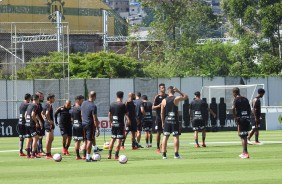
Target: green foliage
90,65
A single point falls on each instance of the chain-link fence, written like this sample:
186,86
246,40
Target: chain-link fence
21,44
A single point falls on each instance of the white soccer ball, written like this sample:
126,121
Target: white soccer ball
123,159
96,156
57,157
106,145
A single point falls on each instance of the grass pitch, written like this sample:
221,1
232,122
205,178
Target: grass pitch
217,163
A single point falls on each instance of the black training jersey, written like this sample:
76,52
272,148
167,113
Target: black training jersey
49,107
65,116
138,103
22,109
157,101
148,111
31,108
76,115
40,109
198,109
242,106
256,105
88,109
117,110
130,107
171,110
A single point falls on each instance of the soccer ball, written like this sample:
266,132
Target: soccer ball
106,145
123,159
96,156
57,157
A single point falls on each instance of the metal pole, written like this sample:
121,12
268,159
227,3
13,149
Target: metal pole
105,30
59,31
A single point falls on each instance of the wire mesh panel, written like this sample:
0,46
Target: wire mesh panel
29,51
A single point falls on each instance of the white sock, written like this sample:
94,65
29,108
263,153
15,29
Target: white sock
95,147
87,156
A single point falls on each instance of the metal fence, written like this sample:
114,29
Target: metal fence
20,44
107,88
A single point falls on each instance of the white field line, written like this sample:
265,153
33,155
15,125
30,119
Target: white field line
208,143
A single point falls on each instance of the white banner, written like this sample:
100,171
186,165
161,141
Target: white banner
273,121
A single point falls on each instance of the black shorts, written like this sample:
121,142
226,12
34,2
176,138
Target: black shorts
48,126
88,132
158,124
77,131
243,127
31,131
66,130
254,124
171,128
21,130
118,132
147,126
198,124
139,123
41,131
132,127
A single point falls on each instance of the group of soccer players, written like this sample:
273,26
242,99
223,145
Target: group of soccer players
80,122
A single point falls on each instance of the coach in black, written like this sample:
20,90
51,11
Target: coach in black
89,122
241,113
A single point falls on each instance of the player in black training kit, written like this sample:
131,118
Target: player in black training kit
41,131
65,125
198,108
47,114
21,123
116,115
130,106
170,122
242,112
32,124
89,122
157,107
147,120
77,129
138,102
256,112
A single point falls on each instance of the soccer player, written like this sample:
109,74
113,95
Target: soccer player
47,114
241,113
77,124
170,122
21,123
198,109
32,124
157,107
89,121
65,125
116,115
130,106
138,102
147,120
41,131
256,112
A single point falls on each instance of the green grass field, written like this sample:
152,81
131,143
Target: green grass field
217,163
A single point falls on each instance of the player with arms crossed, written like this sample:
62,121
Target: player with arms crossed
256,111
198,108
170,122
41,131
47,114
147,120
241,113
77,129
32,125
21,123
157,107
65,125
89,122
116,115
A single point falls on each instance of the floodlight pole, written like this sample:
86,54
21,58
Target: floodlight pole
59,31
105,30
